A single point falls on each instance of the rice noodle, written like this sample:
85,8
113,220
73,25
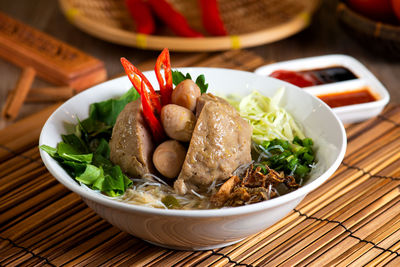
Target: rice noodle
263,155
196,194
148,183
294,169
211,188
313,165
276,191
242,168
269,191
150,191
155,177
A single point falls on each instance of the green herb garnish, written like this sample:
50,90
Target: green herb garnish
178,77
170,202
108,111
85,154
294,158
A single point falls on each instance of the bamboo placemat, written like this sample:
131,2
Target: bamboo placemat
352,219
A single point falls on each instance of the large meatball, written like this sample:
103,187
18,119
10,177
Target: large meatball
131,144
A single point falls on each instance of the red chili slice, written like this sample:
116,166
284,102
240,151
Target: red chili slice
163,62
154,124
136,77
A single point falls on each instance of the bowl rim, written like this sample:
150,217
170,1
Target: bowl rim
222,212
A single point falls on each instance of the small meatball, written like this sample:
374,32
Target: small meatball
168,158
185,94
178,122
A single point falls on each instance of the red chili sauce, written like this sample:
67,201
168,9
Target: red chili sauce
348,98
313,77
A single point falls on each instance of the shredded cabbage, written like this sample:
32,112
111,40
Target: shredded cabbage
268,119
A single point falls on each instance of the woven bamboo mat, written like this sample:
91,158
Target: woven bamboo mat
352,219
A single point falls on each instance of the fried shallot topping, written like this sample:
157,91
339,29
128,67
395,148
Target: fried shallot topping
257,184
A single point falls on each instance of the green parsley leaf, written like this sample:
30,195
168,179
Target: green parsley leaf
114,183
68,152
178,77
77,143
85,153
108,111
50,150
90,175
201,82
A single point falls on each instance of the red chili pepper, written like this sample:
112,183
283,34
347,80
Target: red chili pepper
175,20
141,13
136,77
154,124
211,18
163,61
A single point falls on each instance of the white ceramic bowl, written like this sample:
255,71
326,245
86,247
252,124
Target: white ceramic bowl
204,229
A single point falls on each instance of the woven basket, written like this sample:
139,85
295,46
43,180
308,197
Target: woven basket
383,38
248,22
